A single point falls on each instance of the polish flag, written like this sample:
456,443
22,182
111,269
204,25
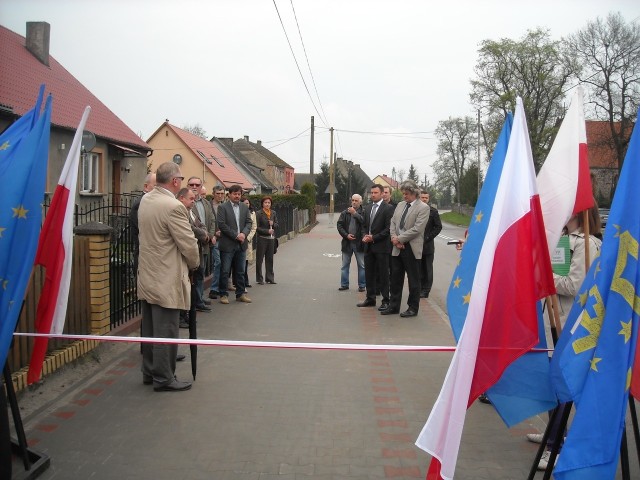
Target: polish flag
564,183
55,250
513,273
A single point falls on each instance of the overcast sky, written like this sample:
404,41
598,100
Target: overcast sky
389,67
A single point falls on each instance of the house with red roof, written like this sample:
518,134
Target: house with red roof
386,181
603,161
118,161
196,156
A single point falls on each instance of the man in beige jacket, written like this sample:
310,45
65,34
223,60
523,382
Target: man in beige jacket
168,250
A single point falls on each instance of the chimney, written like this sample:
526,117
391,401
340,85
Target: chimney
259,142
246,138
227,142
38,40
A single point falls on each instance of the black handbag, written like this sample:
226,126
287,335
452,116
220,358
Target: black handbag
276,244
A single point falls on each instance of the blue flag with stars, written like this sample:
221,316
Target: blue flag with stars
593,359
524,389
23,168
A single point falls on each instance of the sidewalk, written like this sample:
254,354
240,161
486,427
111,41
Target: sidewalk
263,414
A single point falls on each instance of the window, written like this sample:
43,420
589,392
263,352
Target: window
218,161
90,172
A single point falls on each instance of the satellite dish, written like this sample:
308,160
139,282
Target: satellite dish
88,141
177,159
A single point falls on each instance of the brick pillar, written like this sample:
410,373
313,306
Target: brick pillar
99,238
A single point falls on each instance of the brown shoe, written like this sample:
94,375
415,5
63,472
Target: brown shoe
243,298
224,300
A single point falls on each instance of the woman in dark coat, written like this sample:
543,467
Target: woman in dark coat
267,223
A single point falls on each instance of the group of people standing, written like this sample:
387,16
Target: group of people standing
179,232
390,241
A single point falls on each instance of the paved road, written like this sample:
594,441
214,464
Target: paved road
264,414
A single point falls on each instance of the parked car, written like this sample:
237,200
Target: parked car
604,216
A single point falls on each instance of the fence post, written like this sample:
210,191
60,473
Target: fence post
99,297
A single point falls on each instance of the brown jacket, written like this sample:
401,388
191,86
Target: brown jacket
168,250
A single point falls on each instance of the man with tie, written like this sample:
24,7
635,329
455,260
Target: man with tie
375,236
407,236
234,222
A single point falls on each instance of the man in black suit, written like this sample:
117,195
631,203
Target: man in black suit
234,222
431,231
375,236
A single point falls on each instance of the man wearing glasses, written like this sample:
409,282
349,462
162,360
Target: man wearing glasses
202,211
168,250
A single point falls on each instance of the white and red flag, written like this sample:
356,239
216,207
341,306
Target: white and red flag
564,182
512,274
55,249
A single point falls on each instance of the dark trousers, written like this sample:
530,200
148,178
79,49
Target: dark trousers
376,265
159,360
426,272
264,252
232,260
403,263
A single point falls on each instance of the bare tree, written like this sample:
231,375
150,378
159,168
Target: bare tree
196,130
607,56
457,141
531,68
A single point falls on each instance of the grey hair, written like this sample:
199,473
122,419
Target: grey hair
410,186
357,196
166,172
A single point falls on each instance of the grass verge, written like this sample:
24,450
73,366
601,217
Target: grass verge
456,218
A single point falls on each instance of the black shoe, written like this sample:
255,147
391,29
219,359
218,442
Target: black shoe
384,306
180,358
409,312
484,399
203,308
343,288
213,295
147,380
183,324
390,311
248,285
367,303
362,289
207,302
271,283
174,386
260,282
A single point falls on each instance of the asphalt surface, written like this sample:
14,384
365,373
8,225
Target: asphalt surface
267,413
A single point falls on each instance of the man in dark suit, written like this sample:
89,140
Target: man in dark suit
431,231
407,236
234,222
375,236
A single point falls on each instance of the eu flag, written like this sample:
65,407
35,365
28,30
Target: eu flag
524,389
23,168
593,359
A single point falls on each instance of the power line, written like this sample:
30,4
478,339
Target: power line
309,65
297,65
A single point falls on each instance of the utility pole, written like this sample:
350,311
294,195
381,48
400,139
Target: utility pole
311,150
332,185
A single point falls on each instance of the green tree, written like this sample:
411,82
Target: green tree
322,181
413,174
606,55
469,186
457,142
532,68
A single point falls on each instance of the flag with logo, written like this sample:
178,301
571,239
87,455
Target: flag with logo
23,168
55,251
592,364
513,273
